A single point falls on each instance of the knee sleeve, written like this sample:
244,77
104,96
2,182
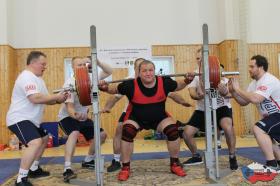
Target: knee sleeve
129,132
171,131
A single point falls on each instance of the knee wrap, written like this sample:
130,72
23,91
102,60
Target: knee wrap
171,131
129,132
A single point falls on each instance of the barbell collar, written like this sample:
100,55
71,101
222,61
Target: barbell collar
66,89
234,73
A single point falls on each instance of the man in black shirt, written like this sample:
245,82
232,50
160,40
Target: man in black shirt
147,96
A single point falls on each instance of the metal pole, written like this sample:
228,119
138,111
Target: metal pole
99,160
208,154
214,107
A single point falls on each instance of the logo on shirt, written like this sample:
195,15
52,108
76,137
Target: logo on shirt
220,100
268,107
30,87
262,88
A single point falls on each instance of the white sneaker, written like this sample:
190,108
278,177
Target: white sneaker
257,167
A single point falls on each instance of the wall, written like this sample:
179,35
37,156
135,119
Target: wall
172,27
263,21
229,19
39,23
3,22
54,78
65,23
13,61
184,56
7,77
228,57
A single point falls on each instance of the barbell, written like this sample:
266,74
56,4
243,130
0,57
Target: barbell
83,82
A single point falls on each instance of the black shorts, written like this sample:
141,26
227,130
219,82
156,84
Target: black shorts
147,124
121,119
271,125
26,131
68,125
197,120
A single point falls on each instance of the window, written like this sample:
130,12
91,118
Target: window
68,71
164,64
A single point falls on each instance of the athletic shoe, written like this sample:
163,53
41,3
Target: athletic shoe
233,163
69,174
257,167
177,169
90,164
24,182
124,173
258,172
193,161
116,165
38,173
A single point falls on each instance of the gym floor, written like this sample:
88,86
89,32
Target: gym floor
149,165
140,146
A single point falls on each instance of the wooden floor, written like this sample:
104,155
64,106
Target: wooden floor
139,146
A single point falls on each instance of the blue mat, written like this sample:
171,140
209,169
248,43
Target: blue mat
9,167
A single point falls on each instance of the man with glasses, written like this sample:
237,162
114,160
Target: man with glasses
25,115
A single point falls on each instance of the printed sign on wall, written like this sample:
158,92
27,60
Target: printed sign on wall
123,57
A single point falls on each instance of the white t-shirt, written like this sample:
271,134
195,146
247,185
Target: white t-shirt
269,87
21,108
72,98
221,101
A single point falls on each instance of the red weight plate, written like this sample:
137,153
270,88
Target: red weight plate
83,86
214,71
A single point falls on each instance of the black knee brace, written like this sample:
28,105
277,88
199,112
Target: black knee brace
129,132
171,131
